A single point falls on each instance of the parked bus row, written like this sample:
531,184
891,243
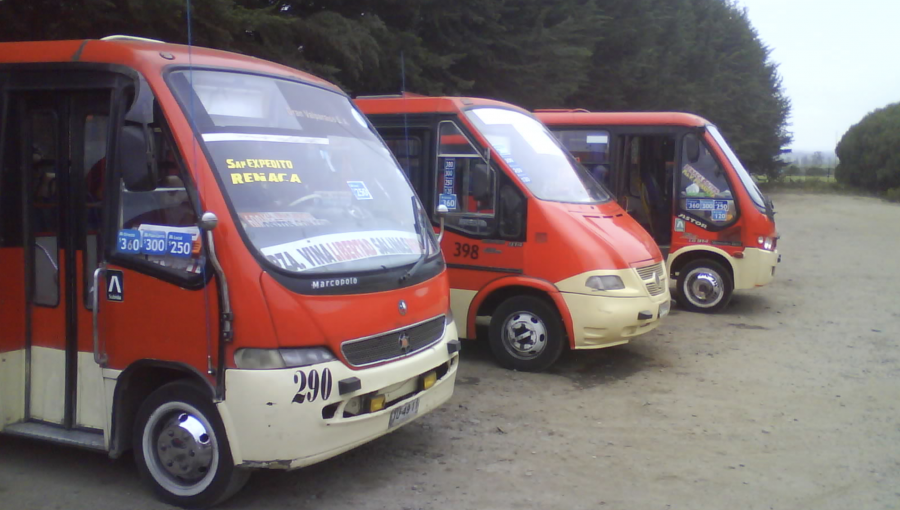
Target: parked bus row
224,264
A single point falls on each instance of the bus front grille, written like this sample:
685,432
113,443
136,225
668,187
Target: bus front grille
654,277
394,344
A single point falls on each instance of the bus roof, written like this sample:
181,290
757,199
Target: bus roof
145,55
586,118
415,103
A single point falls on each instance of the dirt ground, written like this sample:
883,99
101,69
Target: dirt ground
788,400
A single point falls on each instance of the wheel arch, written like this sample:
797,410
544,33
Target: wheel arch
686,255
491,295
133,386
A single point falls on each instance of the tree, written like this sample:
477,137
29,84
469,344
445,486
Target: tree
869,151
699,56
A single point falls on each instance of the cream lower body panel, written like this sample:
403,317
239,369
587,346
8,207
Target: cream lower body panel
47,389
90,401
460,300
756,269
48,384
268,429
12,387
603,321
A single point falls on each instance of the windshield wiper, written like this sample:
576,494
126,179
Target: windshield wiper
422,238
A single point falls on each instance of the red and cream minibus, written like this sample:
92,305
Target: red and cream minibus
535,247
209,259
676,174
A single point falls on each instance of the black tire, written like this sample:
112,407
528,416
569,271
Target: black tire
198,448
704,286
535,318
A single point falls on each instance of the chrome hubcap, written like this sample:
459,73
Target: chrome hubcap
524,335
704,287
180,449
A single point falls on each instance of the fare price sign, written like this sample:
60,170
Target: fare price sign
157,240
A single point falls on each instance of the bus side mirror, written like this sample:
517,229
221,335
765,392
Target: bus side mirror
692,148
441,212
136,158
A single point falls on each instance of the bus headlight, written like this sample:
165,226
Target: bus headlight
609,282
266,359
766,243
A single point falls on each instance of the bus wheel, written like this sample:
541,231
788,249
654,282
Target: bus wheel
181,448
526,334
704,286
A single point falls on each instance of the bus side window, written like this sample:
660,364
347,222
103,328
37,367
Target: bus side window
512,211
704,190
96,131
160,226
44,127
466,184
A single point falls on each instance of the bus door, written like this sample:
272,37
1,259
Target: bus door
486,219
644,183
53,141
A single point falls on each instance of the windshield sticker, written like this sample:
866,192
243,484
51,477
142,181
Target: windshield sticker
129,241
332,249
702,182
280,219
360,191
252,137
679,225
306,114
449,200
251,177
720,215
277,164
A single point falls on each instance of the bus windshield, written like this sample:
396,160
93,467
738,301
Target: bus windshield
313,187
748,182
536,157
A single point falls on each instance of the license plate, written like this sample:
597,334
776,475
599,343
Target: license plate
404,413
664,309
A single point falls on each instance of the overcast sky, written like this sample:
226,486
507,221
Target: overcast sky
839,60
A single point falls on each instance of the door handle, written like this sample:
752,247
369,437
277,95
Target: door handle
99,358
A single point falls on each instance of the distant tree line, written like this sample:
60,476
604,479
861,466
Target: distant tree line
700,56
870,152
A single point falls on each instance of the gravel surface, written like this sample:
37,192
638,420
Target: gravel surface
789,399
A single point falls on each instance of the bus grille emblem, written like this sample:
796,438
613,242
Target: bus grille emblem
401,306
404,343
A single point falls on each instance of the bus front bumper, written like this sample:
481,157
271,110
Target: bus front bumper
604,321
756,268
272,423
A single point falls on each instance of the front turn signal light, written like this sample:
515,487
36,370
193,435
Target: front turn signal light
428,380
376,403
